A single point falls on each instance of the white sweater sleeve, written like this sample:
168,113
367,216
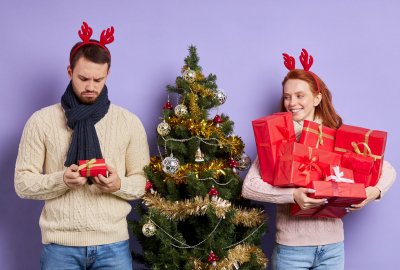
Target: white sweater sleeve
255,188
29,180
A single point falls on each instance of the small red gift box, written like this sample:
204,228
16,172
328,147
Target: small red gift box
325,211
362,141
318,136
269,132
299,164
92,167
360,165
338,193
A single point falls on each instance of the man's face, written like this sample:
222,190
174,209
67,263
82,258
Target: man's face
88,79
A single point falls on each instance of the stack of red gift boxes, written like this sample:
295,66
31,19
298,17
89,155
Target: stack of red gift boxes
337,164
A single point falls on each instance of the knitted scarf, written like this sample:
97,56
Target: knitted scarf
81,118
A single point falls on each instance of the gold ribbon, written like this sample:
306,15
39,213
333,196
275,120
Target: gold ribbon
356,149
90,164
320,135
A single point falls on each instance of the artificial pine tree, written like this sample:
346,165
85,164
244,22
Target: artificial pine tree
193,215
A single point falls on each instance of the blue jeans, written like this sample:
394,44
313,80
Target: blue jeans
326,257
115,256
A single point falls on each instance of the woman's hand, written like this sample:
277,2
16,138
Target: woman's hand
373,193
305,202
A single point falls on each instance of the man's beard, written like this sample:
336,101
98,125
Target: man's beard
87,101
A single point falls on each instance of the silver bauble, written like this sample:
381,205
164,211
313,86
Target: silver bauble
149,229
163,128
221,96
180,110
243,162
170,164
189,75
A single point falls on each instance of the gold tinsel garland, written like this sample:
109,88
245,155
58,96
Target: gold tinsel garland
240,254
198,206
216,167
194,106
206,129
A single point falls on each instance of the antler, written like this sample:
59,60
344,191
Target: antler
289,62
107,36
86,32
305,60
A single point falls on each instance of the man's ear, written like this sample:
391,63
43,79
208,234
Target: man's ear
69,71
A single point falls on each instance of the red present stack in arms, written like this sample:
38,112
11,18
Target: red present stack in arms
337,164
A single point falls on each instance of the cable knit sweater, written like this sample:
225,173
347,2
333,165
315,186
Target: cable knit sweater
83,216
297,231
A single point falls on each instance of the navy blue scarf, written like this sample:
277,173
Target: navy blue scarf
81,118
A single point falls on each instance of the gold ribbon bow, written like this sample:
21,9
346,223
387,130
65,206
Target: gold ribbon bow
90,164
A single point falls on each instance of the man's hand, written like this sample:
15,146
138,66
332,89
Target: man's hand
72,178
305,202
108,184
373,193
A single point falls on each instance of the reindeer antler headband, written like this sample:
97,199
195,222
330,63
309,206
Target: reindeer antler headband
106,37
305,60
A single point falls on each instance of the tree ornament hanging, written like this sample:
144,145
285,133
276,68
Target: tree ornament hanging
199,157
221,96
149,229
212,258
163,128
233,164
243,161
213,193
189,75
217,120
170,165
180,110
168,106
149,187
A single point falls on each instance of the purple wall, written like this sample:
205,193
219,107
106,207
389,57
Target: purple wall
355,45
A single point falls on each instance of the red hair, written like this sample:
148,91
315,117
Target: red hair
325,110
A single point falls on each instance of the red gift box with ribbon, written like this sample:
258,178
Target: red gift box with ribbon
325,211
92,167
269,132
339,188
318,136
360,165
298,165
364,142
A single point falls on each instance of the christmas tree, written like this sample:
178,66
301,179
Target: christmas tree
193,215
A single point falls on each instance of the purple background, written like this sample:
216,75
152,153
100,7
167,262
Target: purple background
355,45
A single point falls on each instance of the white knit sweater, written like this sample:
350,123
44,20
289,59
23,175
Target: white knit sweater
83,216
298,231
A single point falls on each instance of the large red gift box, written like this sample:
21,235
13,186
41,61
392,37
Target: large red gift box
337,193
360,165
92,167
299,164
318,136
269,132
362,141
325,211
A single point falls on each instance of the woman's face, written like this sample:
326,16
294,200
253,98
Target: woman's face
299,100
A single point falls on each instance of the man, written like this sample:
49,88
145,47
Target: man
83,222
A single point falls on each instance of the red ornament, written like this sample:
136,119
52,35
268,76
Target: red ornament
233,163
212,258
167,106
149,187
213,192
217,120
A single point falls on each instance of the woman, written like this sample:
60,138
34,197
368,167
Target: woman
307,243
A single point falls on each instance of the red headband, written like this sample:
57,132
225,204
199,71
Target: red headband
305,60
106,37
